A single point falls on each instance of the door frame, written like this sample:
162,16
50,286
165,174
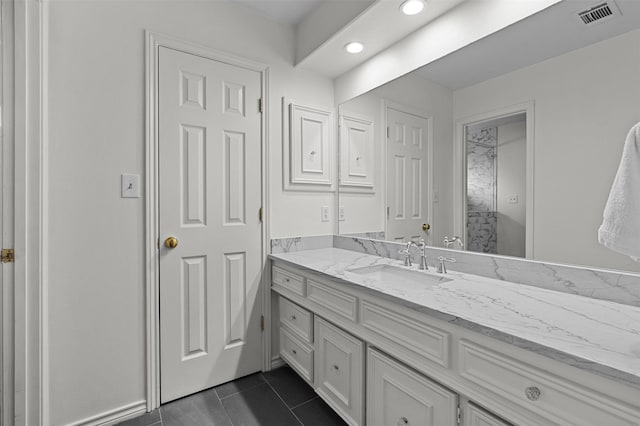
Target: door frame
386,104
152,277
460,169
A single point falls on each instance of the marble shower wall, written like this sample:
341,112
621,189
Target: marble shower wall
482,232
482,219
481,170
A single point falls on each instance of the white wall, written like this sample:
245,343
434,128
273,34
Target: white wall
365,213
585,103
96,105
511,165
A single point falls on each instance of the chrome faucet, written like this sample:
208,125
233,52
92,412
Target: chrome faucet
407,253
423,258
442,268
448,242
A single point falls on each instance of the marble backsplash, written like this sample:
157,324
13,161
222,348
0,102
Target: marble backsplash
615,286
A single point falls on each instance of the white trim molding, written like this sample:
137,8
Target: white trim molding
460,169
30,190
153,42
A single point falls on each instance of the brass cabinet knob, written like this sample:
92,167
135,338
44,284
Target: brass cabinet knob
171,242
426,226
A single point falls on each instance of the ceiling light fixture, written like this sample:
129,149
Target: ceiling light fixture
354,47
412,7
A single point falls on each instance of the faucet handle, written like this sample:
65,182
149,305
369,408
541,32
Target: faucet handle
441,263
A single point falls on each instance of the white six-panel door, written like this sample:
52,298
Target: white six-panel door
209,197
408,194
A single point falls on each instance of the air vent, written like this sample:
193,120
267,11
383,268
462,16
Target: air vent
600,13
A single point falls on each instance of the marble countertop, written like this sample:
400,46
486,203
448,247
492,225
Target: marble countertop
595,335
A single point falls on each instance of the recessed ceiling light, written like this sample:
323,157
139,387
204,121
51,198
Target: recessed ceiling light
354,47
412,7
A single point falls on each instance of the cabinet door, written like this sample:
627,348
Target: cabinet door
476,416
339,371
398,396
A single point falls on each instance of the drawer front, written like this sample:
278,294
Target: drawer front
334,300
476,416
421,338
297,319
297,354
397,395
553,397
288,280
339,371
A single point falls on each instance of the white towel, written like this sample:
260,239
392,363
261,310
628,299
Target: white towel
620,229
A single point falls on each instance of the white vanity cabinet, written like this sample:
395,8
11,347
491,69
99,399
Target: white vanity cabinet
339,366
399,396
420,365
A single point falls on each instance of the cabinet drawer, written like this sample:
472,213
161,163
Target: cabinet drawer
476,416
339,371
297,319
397,395
336,301
288,280
419,337
553,397
297,354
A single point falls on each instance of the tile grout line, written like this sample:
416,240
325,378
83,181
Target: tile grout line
302,403
240,391
225,408
285,404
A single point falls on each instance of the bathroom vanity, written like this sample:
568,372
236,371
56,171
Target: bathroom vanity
386,345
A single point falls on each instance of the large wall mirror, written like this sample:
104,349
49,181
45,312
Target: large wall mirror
510,144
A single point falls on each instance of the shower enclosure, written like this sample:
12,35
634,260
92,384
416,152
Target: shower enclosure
482,215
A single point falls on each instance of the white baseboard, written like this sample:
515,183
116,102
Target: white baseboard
113,416
277,362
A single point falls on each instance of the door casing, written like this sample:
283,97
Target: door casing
152,280
460,169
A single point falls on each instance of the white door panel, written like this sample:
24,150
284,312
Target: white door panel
408,184
209,131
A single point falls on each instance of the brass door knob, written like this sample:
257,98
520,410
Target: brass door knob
426,226
171,242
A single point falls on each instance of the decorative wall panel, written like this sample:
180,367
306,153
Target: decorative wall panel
356,154
309,162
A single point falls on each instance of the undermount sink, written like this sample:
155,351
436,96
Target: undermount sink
398,274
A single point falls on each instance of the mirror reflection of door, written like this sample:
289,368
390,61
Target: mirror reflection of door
496,186
409,152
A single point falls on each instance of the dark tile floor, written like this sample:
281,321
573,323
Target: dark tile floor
277,398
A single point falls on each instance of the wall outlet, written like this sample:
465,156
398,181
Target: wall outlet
130,186
341,213
324,213
513,199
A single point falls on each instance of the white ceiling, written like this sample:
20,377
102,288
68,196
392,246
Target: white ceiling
379,27
289,12
549,33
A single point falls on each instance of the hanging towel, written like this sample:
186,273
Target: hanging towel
620,229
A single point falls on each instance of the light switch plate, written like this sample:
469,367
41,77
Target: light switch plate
341,213
130,186
324,213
